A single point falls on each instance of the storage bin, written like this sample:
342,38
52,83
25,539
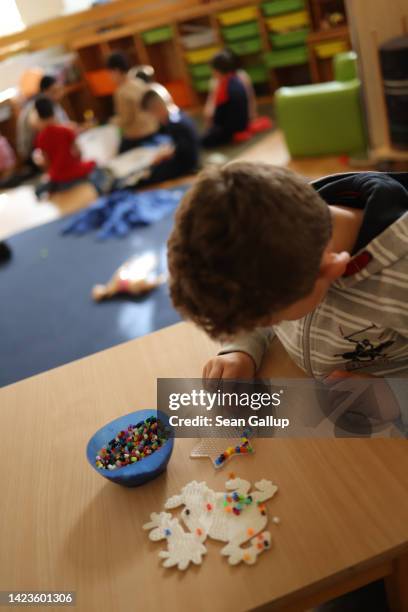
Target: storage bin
200,71
201,56
246,13
282,23
287,57
241,31
288,39
246,47
197,40
201,85
100,82
257,74
279,7
329,49
150,37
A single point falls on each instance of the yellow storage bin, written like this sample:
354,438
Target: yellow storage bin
246,13
329,49
201,56
282,23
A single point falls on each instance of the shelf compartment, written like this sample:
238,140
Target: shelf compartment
289,39
157,35
279,7
197,40
329,49
282,23
287,57
246,13
201,85
200,71
180,92
201,56
257,74
241,31
246,47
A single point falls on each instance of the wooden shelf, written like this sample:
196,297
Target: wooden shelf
122,26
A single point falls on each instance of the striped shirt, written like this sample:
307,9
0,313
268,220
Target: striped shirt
361,325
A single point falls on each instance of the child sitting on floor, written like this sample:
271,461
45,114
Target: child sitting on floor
183,155
57,151
228,106
256,251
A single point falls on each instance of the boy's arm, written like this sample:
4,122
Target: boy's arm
209,105
253,343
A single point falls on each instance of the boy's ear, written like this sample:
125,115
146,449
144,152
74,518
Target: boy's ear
333,265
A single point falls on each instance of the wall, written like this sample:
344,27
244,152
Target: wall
372,22
35,11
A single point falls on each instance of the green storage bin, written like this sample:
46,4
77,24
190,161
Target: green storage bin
201,85
240,32
279,7
246,47
289,39
200,71
258,74
287,57
150,37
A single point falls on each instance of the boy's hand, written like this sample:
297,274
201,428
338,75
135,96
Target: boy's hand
237,365
38,158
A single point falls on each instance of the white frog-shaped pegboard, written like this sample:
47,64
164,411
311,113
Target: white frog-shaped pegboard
236,517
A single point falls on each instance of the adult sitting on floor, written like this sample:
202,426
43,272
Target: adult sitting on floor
137,126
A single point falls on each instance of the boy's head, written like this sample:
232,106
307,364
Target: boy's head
45,110
251,247
50,87
118,66
158,102
224,63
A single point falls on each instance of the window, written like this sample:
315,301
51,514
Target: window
72,6
10,18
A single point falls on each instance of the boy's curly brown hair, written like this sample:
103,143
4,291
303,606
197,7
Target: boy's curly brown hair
247,241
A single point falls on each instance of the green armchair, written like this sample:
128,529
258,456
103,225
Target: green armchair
325,118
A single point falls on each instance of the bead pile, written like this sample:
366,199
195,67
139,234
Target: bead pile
132,444
235,503
243,448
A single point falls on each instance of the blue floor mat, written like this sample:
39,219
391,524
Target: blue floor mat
47,315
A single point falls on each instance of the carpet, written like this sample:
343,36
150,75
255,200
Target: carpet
47,316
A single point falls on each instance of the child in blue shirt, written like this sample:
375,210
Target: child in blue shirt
228,105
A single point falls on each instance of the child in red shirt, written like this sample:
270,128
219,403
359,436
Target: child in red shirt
61,155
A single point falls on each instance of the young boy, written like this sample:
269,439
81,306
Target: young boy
182,157
26,133
57,150
258,251
227,109
136,125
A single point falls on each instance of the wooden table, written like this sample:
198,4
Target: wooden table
343,503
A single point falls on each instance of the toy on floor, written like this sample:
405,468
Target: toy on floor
235,517
136,276
220,451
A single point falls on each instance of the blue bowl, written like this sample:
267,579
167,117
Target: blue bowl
142,471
